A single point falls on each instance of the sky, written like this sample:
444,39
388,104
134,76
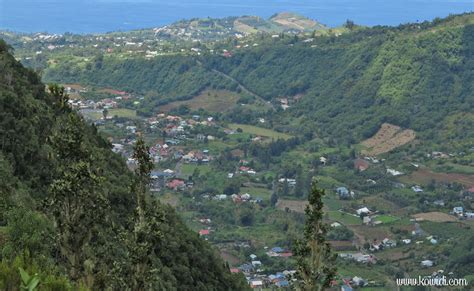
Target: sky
89,16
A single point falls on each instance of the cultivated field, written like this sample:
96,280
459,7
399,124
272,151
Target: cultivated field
389,137
210,100
259,131
424,176
435,217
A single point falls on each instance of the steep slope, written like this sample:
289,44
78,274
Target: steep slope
30,124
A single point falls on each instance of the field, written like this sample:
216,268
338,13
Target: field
119,112
210,100
424,176
344,218
255,130
435,217
389,137
293,205
386,218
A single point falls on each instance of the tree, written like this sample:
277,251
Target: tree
60,98
349,24
274,199
315,261
300,183
105,112
76,203
147,222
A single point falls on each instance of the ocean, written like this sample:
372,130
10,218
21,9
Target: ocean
94,16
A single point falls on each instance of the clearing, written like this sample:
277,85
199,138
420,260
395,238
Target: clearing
259,131
435,217
388,138
293,205
210,100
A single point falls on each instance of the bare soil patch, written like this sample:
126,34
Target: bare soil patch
435,217
388,138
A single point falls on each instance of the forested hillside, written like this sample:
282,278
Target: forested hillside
68,205
416,76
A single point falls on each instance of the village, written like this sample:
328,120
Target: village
202,169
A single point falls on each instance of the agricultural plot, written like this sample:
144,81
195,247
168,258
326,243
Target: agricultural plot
259,131
425,176
210,100
388,138
435,217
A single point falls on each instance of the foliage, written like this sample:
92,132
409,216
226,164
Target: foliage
67,208
315,262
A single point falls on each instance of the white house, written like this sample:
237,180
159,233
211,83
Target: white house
363,210
427,263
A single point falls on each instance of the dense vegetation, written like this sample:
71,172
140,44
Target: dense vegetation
67,205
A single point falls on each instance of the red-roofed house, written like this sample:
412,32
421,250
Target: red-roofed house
204,232
176,184
234,270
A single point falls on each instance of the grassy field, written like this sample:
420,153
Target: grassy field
262,193
386,218
210,100
344,218
188,169
119,112
255,130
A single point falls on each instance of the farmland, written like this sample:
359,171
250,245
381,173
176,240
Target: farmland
259,131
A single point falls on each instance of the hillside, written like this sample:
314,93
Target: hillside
416,76
50,160
220,29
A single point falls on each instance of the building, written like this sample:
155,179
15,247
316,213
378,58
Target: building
427,263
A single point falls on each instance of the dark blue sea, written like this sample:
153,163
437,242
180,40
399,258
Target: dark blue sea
86,16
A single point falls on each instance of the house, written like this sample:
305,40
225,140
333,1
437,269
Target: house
389,243
346,288
359,281
366,220
394,172
234,270
256,284
343,193
406,241
323,160
362,210
246,268
427,263
277,250
417,189
282,284
361,165
469,215
221,197
458,210
204,232
253,257
176,184
256,263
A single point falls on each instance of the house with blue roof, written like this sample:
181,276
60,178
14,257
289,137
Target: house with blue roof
343,193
